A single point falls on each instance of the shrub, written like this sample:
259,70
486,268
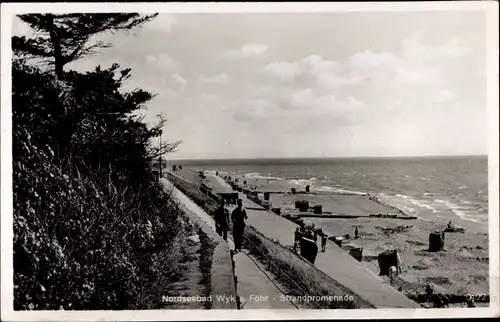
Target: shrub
82,245
205,202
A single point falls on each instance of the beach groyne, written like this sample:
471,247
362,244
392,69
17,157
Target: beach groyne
386,204
333,216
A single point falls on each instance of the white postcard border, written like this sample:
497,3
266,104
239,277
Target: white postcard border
8,10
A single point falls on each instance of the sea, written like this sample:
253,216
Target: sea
438,189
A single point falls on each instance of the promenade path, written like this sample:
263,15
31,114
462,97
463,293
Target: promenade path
335,262
252,279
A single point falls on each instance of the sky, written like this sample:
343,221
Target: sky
339,84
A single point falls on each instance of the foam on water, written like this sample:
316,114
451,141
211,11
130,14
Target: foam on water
257,175
461,211
424,204
339,190
301,182
414,206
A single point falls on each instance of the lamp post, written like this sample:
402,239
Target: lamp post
160,163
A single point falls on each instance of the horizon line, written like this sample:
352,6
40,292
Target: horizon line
339,157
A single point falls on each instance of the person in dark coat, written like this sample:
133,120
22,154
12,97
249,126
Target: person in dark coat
429,292
323,242
221,220
298,235
356,233
238,217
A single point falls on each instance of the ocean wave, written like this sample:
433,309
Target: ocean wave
339,190
415,202
465,213
301,182
210,172
466,210
257,175
395,202
422,204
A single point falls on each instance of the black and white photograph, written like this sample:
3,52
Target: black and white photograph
203,161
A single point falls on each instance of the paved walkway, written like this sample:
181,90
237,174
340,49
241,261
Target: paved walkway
255,288
335,262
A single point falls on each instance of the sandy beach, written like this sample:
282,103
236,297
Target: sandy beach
461,268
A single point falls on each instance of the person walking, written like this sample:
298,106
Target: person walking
356,233
392,274
297,235
399,263
323,242
238,217
221,220
429,293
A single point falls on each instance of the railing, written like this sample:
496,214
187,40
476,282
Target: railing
271,264
233,264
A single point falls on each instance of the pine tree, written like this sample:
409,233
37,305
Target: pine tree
64,38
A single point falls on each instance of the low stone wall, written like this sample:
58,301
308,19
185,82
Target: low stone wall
222,279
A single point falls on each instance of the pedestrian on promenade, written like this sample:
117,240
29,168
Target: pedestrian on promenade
356,233
399,263
238,217
296,239
323,242
297,233
221,220
429,293
392,274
